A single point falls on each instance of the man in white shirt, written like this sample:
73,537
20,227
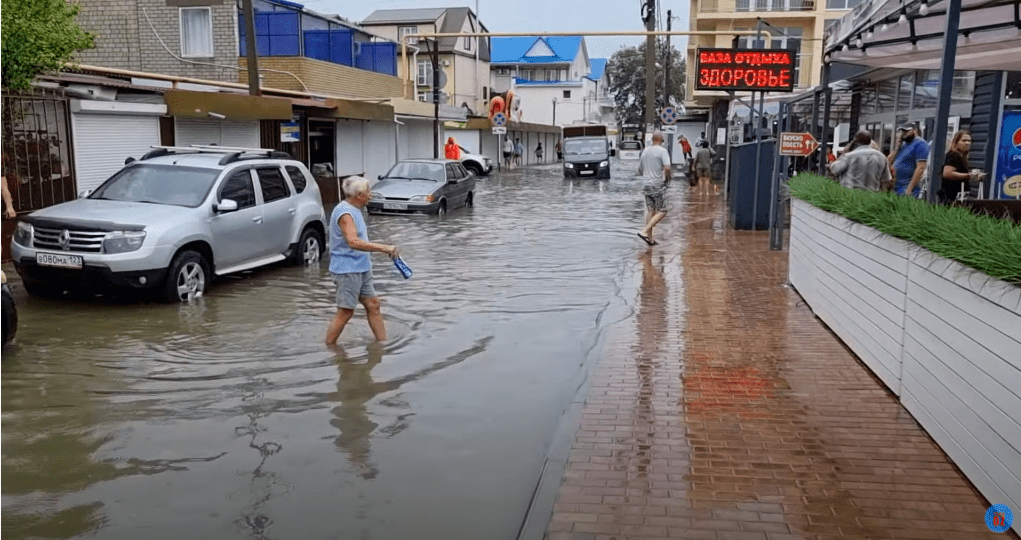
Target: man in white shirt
654,169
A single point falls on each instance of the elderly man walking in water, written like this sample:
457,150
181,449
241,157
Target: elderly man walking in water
350,264
654,169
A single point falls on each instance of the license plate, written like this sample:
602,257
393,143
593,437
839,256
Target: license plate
588,172
63,261
394,206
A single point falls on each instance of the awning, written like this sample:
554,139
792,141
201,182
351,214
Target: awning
989,36
360,110
192,104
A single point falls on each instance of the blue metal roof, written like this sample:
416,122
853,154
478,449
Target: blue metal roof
598,66
511,50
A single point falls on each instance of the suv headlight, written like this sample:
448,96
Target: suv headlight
122,241
568,165
23,234
422,198
375,197
603,163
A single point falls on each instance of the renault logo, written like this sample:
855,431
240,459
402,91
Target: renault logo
64,239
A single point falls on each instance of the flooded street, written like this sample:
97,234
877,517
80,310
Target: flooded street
229,418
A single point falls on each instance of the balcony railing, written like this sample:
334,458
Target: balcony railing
754,6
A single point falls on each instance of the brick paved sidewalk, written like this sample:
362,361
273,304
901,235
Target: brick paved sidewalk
725,410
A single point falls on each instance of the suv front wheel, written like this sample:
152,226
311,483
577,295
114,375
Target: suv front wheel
187,277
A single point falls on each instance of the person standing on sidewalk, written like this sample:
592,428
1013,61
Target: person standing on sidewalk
654,169
508,152
703,163
862,167
350,264
909,162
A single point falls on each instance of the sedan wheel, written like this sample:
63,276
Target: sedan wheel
442,210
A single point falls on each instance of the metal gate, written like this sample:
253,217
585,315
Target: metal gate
37,151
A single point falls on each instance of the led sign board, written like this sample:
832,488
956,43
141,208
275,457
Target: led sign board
763,70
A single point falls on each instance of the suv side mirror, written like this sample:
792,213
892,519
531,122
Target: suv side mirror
379,177
226,205
613,152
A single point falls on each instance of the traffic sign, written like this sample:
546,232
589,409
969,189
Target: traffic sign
797,144
668,115
499,119
499,130
670,129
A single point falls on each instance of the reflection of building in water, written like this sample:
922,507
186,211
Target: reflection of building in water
355,388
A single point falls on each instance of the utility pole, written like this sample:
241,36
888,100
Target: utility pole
666,65
250,52
649,16
435,54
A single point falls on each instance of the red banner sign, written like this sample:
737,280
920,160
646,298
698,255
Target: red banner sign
797,144
764,70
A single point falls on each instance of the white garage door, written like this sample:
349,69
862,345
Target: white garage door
242,134
103,141
350,147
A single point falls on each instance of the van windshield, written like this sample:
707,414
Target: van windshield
158,184
579,148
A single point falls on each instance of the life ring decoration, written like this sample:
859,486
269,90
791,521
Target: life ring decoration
496,105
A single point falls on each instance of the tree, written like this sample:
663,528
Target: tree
38,36
626,70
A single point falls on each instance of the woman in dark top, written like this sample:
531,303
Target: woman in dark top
955,167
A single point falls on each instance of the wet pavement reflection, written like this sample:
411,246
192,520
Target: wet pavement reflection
228,417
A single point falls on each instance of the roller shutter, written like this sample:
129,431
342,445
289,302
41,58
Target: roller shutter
243,134
103,141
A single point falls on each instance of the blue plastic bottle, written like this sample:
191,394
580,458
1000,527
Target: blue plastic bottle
402,268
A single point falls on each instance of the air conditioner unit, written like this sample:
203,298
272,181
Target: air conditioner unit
444,63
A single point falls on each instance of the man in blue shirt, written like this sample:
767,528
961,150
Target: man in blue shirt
909,165
350,265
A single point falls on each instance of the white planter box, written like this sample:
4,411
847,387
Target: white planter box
944,337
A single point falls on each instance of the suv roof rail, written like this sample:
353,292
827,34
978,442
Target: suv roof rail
234,153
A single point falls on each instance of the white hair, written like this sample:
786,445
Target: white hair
355,185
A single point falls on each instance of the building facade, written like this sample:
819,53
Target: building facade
464,61
553,77
787,24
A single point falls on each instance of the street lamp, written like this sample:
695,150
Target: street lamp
554,110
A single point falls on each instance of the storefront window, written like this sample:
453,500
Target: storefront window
926,88
887,96
964,87
906,86
1013,85
868,99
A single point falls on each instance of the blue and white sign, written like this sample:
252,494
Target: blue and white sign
290,132
668,115
499,119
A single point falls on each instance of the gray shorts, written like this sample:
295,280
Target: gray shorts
352,287
655,198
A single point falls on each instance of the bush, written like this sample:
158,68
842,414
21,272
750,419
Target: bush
987,244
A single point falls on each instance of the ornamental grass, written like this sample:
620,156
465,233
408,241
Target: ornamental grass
988,244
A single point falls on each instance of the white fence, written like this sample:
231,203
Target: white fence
944,338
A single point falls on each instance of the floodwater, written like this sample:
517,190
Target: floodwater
228,417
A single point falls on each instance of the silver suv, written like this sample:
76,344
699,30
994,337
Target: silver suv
169,222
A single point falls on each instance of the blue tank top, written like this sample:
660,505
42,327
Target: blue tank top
343,259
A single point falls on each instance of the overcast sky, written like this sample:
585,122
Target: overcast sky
536,16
